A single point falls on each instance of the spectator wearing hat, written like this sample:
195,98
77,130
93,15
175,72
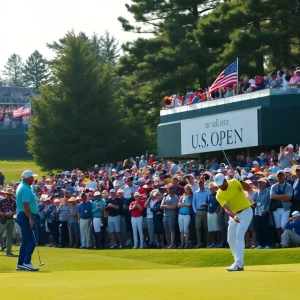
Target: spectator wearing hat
261,202
296,191
136,209
158,224
200,209
73,223
7,211
295,80
286,156
288,176
291,235
169,205
213,218
272,180
256,167
85,219
114,208
63,216
27,209
53,222
149,216
97,211
184,216
281,195
42,220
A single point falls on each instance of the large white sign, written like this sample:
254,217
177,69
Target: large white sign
238,129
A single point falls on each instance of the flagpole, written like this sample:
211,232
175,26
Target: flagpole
237,70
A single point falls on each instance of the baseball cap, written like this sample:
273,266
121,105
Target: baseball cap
97,193
219,171
137,194
112,191
262,180
26,174
296,214
287,170
248,181
255,162
273,73
212,185
290,146
297,168
143,180
219,179
56,201
280,172
44,198
272,177
130,178
67,173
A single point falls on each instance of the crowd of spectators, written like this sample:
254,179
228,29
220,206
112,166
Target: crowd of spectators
148,202
15,94
287,77
7,120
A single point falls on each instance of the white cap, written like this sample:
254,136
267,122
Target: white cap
137,194
67,173
287,170
296,214
97,193
142,180
219,179
114,170
251,81
96,166
290,146
262,180
248,181
112,191
44,198
26,174
250,175
255,162
56,201
219,171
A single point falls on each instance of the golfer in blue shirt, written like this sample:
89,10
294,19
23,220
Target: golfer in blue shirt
27,209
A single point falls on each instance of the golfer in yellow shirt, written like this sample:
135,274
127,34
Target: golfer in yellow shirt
235,203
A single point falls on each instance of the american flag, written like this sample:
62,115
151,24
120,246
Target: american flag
228,77
25,110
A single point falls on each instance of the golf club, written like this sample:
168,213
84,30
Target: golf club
225,154
37,248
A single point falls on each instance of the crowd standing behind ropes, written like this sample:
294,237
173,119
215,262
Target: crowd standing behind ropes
287,77
156,203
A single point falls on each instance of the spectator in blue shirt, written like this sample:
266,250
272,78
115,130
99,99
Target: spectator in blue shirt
273,82
85,218
291,235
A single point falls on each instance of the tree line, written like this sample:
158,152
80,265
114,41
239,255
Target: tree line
98,107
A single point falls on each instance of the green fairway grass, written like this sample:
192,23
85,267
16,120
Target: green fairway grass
12,169
153,274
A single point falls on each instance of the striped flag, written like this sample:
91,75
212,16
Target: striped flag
228,77
21,111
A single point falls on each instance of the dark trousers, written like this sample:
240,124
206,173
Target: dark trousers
27,243
63,233
54,230
42,232
264,232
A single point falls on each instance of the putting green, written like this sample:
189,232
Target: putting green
84,274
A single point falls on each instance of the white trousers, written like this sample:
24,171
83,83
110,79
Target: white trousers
281,217
236,235
137,226
290,238
85,233
97,224
184,223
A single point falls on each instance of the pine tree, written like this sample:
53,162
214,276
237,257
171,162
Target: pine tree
13,70
36,71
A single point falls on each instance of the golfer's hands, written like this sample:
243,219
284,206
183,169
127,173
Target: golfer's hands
236,219
31,223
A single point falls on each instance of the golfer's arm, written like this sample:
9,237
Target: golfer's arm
27,210
228,210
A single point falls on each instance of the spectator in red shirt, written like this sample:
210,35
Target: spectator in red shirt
136,209
179,190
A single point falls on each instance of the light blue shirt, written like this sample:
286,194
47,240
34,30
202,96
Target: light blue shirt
262,199
274,169
199,198
97,211
24,194
185,210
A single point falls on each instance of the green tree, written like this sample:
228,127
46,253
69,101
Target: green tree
35,71
13,70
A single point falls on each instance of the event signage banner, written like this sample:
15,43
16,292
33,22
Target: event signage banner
233,130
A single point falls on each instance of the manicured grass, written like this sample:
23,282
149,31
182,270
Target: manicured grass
12,169
153,274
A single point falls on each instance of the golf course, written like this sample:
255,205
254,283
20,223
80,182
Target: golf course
152,274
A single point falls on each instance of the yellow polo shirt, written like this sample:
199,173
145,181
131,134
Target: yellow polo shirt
234,196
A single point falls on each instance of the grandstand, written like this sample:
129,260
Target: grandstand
12,95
